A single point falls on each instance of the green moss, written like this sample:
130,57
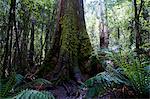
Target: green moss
74,38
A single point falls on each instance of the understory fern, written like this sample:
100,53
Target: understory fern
6,85
136,68
33,83
33,94
16,83
104,81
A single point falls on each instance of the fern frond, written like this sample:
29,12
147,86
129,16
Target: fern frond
137,69
6,86
33,94
104,81
38,81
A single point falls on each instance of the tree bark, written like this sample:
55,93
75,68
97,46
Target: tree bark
71,44
137,22
7,51
31,51
24,41
104,36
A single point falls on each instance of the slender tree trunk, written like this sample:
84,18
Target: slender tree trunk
104,36
31,51
137,22
24,41
118,33
49,32
8,46
46,38
41,43
16,59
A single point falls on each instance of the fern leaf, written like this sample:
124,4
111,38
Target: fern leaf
38,81
102,82
33,94
6,86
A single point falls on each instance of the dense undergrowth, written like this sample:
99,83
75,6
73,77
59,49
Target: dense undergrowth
19,87
121,69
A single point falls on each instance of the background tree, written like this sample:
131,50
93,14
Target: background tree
137,22
104,36
7,63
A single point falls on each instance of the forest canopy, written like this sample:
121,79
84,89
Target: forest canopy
74,49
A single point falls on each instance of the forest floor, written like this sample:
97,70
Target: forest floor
72,90
68,90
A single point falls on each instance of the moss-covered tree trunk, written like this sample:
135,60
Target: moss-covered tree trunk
71,44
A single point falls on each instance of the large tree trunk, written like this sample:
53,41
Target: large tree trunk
71,44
